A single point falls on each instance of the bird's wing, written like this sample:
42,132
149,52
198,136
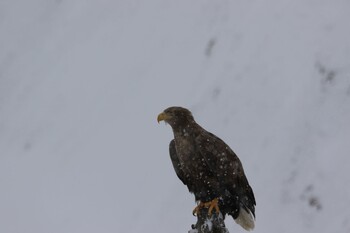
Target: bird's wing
227,167
176,162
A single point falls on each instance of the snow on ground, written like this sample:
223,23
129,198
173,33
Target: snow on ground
81,84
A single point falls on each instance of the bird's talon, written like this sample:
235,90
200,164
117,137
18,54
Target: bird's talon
196,210
213,204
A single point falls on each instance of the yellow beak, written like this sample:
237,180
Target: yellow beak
162,117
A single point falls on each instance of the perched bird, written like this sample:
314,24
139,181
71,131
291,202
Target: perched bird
209,168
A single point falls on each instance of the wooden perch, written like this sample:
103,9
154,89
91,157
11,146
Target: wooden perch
206,224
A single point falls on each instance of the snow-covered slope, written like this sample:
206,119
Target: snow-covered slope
81,84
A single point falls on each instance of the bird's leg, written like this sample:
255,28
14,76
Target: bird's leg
196,210
213,204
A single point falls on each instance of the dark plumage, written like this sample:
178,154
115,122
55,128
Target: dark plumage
209,168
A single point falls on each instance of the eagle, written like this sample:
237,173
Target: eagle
209,168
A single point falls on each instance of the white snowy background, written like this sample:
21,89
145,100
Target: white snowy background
82,82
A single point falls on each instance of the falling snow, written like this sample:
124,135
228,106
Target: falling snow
83,81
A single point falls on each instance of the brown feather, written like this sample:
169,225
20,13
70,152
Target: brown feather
208,166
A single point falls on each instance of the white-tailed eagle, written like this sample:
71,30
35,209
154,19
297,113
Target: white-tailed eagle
209,168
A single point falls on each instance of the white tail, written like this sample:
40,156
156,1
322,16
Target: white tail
245,219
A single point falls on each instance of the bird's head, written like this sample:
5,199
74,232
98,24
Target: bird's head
176,116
